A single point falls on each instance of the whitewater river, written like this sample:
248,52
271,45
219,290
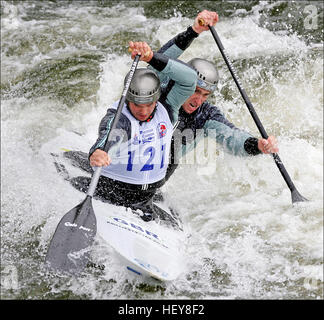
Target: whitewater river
63,64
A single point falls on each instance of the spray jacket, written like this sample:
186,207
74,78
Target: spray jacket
207,120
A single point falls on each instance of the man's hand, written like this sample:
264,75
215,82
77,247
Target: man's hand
203,20
141,48
100,158
268,145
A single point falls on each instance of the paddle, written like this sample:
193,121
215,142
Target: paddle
70,244
295,195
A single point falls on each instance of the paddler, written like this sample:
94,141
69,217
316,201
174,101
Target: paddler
138,156
197,113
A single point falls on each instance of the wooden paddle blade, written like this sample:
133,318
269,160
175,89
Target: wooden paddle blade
70,245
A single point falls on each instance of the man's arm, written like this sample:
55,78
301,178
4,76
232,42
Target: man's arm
184,82
211,122
236,141
177,45
184,78
123,125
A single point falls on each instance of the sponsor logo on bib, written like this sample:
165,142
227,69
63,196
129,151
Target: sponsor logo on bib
162,129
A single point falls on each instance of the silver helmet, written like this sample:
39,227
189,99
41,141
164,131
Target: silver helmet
144,88
206,72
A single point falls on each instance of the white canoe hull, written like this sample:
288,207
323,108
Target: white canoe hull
148,249
145,248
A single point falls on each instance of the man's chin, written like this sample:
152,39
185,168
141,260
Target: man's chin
142,118
190,109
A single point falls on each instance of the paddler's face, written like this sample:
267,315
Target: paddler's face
142,111
196,100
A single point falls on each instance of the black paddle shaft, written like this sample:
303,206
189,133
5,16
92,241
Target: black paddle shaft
69,248
296,196
123,98
96,175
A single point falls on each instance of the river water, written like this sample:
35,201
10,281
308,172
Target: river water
62,65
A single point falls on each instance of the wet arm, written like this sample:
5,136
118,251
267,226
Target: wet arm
123,126
184,77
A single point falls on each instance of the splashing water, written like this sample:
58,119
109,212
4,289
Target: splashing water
63,64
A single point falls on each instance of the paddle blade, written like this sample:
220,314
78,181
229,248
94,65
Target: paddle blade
297,197
70,245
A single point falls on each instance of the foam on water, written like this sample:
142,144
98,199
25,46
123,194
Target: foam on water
245,240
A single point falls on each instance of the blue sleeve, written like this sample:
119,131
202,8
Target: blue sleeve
175,47
211,122
231,138
234,140
184,82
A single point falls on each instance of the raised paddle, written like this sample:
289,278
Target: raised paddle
295,195
70,246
